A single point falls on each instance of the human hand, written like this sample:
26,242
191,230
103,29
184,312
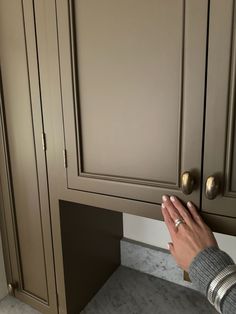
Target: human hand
190,237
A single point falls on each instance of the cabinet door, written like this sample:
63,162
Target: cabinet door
132,75
24,178
220,134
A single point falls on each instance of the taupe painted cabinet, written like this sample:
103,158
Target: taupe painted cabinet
133,78
24,188
148,95
130,96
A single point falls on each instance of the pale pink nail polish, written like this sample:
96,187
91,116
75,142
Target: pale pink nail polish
165,198
173,199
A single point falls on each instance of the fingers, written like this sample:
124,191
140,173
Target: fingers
173,212
177,210
193,210
168,221
182,210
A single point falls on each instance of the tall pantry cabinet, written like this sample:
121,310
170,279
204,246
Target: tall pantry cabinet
24,187
106,106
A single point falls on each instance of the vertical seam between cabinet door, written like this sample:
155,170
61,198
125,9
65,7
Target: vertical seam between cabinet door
76,87
230,109
204,111
61,96
181,104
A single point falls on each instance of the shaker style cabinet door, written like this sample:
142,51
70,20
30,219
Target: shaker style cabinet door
23,177
133,76
219,188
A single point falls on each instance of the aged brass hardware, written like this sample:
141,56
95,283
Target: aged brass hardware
186,276
187,183
65,158
212,187
44,141
11,288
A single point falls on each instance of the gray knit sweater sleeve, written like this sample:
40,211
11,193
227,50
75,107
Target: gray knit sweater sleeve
205,267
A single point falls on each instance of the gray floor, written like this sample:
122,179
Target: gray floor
131,292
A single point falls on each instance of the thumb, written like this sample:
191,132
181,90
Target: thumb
171,248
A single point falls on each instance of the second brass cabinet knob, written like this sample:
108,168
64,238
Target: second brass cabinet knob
212,187
187,183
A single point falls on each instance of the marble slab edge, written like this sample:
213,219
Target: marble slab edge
152,260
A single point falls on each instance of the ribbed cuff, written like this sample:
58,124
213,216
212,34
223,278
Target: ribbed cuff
206,266
229,303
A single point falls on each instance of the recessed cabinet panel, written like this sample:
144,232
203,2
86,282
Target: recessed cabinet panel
132,75
220,135
129,66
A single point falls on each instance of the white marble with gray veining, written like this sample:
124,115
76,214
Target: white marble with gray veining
151,260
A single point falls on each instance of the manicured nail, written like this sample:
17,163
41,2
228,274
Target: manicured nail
173,199
162,205
165,198
168,246
189,204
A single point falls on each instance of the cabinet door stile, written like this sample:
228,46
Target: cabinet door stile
220,132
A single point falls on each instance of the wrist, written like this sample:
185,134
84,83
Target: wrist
206,266
220,286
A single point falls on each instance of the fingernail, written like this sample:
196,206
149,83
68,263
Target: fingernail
165,198
162,205
168,246
173,199
189,204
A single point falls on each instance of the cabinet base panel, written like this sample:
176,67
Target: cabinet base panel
91,250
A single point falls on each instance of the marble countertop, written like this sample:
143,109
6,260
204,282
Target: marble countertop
131,292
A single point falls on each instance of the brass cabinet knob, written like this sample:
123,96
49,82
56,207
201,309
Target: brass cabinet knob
212,187
187,183
11,288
